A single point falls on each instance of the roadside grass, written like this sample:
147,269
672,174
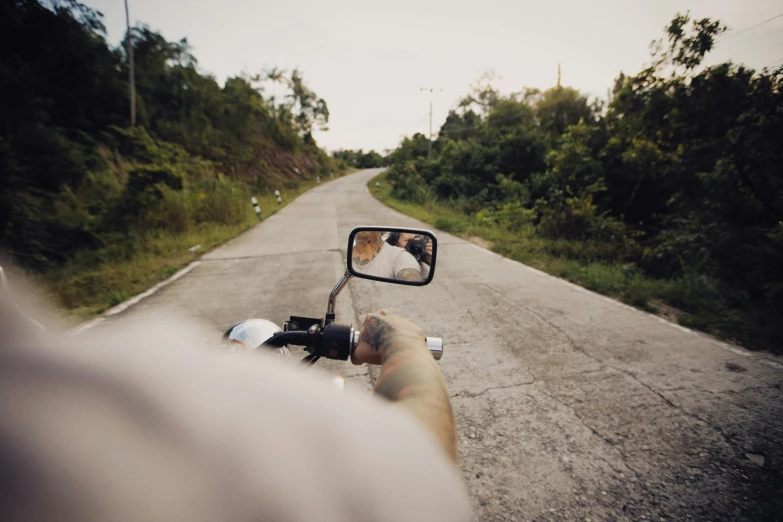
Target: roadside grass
682,300
93,281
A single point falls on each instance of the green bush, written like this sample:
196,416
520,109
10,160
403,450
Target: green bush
223,201
175,211
512,216
407,184
450,224
577,218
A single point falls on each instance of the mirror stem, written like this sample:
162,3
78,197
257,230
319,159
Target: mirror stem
333,296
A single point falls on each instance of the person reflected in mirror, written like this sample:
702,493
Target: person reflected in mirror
420,247
374,257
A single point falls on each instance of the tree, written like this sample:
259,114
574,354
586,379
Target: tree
70,166
360,159
482,94
560,107
458,126
679,175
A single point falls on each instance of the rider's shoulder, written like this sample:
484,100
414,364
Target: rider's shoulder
396,251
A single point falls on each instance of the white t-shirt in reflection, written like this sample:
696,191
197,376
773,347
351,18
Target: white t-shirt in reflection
388,263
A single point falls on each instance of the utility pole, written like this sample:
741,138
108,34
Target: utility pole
558,75
131,72
429,150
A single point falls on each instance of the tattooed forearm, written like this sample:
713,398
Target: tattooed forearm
408,274
376,332
409,375
412,380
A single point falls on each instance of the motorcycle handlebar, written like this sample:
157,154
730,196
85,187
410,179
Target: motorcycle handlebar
336,341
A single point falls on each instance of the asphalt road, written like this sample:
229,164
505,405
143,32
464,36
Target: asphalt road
569,406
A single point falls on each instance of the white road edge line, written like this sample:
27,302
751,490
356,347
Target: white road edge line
132,301
734,349
85,326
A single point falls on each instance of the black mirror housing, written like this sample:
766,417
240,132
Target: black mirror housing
403,256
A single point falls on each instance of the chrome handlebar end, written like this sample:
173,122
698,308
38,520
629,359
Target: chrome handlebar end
435,346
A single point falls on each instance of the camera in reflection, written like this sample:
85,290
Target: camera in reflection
417,247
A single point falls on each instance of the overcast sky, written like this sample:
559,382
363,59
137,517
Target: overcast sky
369,59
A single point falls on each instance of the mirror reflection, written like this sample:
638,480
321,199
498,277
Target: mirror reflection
404,256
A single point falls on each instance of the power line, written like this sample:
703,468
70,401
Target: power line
732,34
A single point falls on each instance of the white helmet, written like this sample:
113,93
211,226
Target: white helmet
250,334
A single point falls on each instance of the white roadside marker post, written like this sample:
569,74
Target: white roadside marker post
277,195
254,201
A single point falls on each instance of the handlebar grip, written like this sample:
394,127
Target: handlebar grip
435,346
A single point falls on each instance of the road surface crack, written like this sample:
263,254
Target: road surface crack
672,404
609,442
776,386
471,395
632,376
572,375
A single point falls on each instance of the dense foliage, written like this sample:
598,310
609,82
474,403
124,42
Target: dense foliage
360,159
679,176
77,177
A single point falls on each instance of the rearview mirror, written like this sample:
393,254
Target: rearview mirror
404,256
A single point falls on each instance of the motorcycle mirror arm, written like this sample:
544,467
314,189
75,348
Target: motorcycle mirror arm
333,296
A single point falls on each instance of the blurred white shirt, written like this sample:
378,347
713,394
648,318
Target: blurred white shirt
143,422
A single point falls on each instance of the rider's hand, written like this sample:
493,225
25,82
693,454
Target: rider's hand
427,250
385,331
409,376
